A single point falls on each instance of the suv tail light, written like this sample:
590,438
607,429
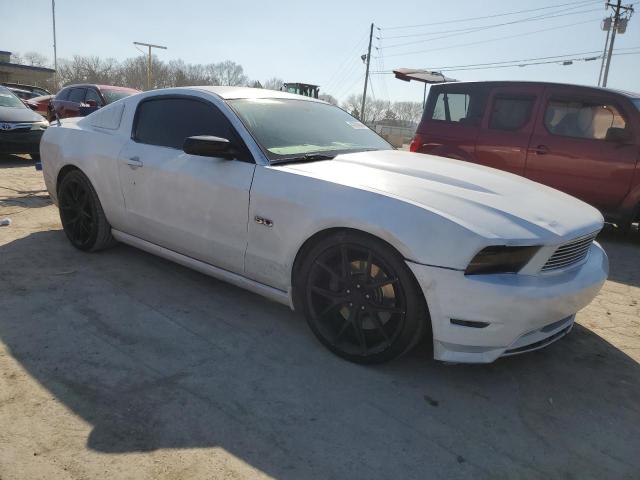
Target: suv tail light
416,143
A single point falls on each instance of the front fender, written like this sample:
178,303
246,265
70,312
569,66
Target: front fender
299,207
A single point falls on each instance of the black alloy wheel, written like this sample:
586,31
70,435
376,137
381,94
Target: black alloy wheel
362,302
82,217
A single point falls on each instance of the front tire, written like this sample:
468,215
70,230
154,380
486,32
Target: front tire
360,299
81,213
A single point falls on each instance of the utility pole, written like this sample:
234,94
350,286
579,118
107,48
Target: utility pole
606,23
150,46
55,53
366,76
616,21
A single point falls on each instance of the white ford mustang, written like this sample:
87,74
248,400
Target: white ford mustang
294,199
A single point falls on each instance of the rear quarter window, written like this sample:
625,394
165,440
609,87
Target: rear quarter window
457,106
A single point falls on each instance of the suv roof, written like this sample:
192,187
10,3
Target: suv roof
495,83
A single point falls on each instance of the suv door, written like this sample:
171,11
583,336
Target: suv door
507,127
569,149
194,205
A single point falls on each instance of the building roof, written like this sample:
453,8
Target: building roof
25,67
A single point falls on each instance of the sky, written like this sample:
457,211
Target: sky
321,42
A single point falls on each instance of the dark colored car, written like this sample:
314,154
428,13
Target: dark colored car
80,100
20,127
584,141
25,91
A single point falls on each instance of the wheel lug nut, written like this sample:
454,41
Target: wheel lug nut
358,286
362,307
366,296
348,291
350,304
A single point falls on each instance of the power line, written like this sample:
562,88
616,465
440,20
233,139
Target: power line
514,61
583,2
464,31
493,39
350,55
518,63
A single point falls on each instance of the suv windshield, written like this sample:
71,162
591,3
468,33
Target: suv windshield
8,99
111,96
287,128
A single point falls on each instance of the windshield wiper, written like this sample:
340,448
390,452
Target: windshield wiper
308,157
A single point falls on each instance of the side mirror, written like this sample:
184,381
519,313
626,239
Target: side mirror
209,146
618,135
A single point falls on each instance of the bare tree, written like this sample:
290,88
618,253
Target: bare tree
408,111
352,104
273,83
228,73
35,59
328,98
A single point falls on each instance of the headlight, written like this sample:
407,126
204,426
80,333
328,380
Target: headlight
500,259
41,125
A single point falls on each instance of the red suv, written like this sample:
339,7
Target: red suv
80,100
584,141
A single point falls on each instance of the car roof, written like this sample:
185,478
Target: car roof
231,93
100,87
495,83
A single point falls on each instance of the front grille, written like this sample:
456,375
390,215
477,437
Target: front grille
570,253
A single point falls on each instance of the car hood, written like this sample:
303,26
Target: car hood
489,202
18,114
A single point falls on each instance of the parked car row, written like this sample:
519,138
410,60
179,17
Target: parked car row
295,199
584,141
21,128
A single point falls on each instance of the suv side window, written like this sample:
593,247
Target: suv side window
464,107
76,95
167,121
511,112
582,119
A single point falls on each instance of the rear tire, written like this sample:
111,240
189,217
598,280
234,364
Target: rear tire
83,219
360,299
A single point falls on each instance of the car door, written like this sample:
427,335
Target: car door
569,149
194,205
507,127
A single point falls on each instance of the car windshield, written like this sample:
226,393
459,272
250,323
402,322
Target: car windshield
8,99
288,128
112,95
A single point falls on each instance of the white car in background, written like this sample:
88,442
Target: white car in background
294,199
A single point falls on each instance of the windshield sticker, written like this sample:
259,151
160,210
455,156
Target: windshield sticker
357,125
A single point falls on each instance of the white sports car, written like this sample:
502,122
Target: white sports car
294,199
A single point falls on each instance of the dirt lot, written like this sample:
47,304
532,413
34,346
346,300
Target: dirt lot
123,365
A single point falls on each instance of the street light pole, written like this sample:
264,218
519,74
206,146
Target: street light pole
150,46
55,52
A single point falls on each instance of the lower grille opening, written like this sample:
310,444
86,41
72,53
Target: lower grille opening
468,323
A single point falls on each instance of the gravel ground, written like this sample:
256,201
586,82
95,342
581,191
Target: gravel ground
123,365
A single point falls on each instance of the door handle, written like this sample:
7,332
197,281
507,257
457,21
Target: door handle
134,162
540,150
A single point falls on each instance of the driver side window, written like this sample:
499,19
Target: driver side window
581,119
167,121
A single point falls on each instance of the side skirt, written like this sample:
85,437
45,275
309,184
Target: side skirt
271,293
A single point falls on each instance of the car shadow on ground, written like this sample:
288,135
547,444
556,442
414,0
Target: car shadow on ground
623,249
8,160
155,356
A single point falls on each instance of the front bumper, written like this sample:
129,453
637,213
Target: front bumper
513,313
20,141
